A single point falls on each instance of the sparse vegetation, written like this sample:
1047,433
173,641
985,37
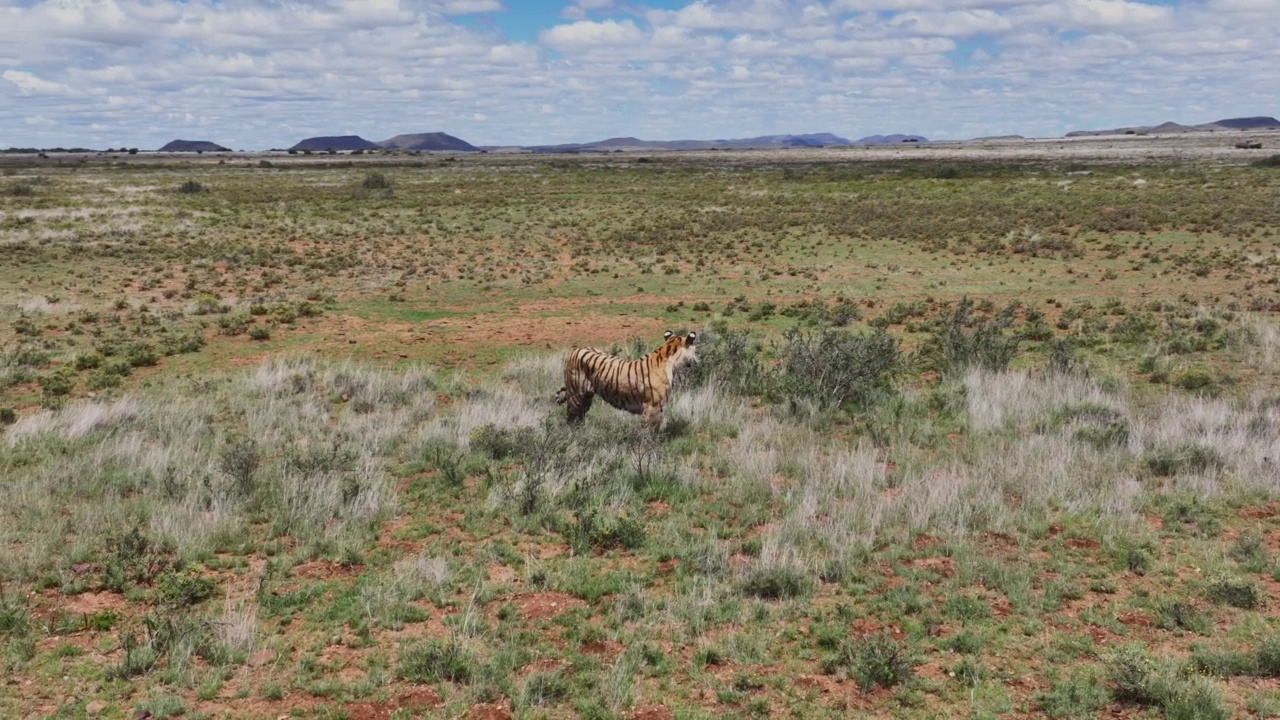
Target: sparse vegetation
963,440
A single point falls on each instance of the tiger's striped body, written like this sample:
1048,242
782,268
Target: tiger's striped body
638,386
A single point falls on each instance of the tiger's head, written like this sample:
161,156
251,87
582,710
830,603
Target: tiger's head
678,351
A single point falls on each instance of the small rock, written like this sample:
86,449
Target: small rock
94,707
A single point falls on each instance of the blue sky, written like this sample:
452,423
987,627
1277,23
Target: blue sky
255,74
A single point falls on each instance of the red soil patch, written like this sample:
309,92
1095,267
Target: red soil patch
944,566
488,711
650,712
415,702
999,539
1257,512
502,574
1082,543
870,626
92,602
324,570
922,541
604,648
548,604
1135,619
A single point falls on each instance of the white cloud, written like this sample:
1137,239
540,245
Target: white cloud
29,84
588,34
264,73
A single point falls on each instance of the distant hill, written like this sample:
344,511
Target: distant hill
336,142
1261,122
1249,123
885,139
761,142
193,146
428,141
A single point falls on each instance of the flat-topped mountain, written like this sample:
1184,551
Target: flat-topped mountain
192,146
428,141
1249,123
335,142
1260,122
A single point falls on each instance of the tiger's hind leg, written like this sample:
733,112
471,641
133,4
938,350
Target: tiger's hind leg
576,407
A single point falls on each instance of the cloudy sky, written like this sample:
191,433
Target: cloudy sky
254,74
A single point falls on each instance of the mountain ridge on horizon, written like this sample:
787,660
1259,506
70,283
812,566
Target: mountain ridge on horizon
441,141
1254,122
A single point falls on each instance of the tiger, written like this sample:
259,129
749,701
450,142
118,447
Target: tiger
640,386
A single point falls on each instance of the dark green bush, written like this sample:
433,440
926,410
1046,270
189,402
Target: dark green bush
871,660
778,582
835,368
436,659
967,341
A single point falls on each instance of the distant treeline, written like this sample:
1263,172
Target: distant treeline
28,151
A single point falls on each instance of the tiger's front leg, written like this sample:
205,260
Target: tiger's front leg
652,417
577,406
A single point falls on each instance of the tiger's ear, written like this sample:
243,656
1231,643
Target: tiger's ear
666,335
690,338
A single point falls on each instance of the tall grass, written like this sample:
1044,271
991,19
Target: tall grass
301,443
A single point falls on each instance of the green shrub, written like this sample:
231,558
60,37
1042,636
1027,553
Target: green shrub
15,618
1184,457
1132,674
602,531
1239,593
1081,695
1221,663
141,354
376,181
966,341
834,368
776,582
191,187
871,660
57,384
1267,657
436,659
1177,615
182,590
731,358
501,443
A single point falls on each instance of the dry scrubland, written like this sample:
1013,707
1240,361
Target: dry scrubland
982,430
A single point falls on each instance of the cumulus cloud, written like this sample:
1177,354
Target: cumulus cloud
586,34
260,73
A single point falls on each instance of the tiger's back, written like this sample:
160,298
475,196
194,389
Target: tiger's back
639,386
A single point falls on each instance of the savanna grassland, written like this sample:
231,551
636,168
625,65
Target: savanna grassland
970,437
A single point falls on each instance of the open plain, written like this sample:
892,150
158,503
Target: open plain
981,429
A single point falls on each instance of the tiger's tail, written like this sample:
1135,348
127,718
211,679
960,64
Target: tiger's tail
562,396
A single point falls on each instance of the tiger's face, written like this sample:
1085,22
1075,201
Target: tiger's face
679,351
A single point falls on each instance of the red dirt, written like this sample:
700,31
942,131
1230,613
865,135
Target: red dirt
324,570
415,702
489,711
649,712
537,605
90,602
